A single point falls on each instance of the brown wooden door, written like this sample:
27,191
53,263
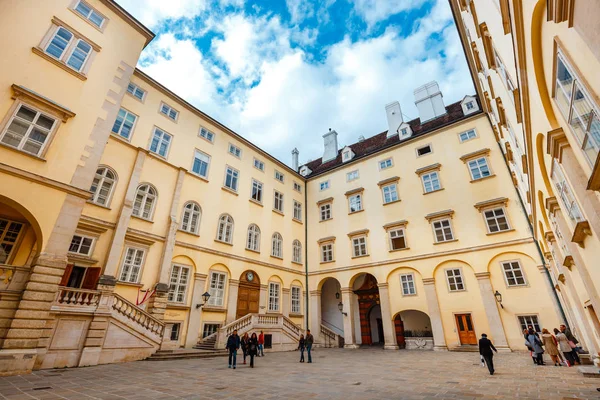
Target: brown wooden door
399,326
247,301
466,333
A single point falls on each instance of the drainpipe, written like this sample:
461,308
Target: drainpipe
306,293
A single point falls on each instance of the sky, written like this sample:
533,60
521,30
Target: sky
282,72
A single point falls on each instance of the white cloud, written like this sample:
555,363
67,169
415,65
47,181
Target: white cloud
375,11
150,12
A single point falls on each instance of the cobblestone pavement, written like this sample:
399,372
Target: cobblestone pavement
334,374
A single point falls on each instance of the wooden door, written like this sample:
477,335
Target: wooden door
466,333
399,327
247,302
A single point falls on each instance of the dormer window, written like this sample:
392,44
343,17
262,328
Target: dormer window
347,154
305,171
469,105
405,131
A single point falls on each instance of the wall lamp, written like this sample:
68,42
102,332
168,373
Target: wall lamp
341,308
205,297
498,297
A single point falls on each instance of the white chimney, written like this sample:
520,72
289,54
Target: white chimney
330,149
295,153
394,118
429,101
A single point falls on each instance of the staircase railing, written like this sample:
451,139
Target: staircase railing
330,338
238,324
291,327
136,314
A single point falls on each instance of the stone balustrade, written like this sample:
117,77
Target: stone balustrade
136,314
67,296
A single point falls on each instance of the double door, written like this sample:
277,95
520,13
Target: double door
466,333
248,297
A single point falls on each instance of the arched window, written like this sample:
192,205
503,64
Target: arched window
225,229
145,200
276,245
297,251
103,185
253,238
190,220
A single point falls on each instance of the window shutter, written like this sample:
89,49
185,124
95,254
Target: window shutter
66,275
91,278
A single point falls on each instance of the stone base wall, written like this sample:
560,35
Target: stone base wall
424,343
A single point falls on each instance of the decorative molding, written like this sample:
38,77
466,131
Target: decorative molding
490,203
428,281
469,156
549,236
29,96
388,180
569,262
556,141
402,223
94,225
59,22
439,214
561,278
326,239
145,238
354,191
432,167
358,232
594,182
552,204
482,275
581,231
323,201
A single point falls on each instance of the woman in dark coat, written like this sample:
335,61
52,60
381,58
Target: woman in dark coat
252,348
301,346
244,345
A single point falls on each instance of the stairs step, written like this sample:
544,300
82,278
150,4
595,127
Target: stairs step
466,348
163,355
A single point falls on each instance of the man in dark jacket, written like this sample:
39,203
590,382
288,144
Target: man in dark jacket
485,349
308,342
571,338
233,344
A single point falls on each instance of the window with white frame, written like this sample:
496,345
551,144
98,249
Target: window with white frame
397,239
408,284
136,91
297,187
161,141
145,200
565,193
326,252
28,130
174,331
90,14
132,264
431,182
496,220
324,185
277,245
103,185
359,246
470,105
455,279
279,176
325,211
297,211
443,230
479,168
513,273
209,329
178,285
390,193
504,76
169,111
81,244
225,229
273,296
235,151
297,251
259,165
529,320
253,238
257,191
352,175
355,203
66,47
124,124
278,201
201,163
190,220
384,164
206,134
296,300
217,288
9,235
467,135
231,178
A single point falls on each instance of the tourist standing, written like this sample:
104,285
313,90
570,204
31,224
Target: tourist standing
244,344
233,344
485,350
531,353
261,345
308,342
536,346
572,342
563,345
550,346
301,345
252,348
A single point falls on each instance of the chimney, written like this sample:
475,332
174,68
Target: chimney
429,101
330,143
394,118
295,153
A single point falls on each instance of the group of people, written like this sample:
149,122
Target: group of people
254,345
562,341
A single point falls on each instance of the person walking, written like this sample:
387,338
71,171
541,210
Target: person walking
549,342
244,345
563,345
572,342
233,344
308,342
301,345
485,350
261,344
252,348
536,345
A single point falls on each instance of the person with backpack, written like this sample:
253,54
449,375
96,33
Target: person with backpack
233,344
301,346
572,342
252,348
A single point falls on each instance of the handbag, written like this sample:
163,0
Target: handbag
573,345
482,361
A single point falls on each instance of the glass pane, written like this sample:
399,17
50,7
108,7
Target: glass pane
461,324
96,19
26,113
79,55
469,323
592,143
15,133
59,42
83,8
581,114
564,86
45,122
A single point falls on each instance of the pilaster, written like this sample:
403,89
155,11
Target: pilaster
437,328
285,301
195,321
234,286
262,300
491,311
315,314
348,301
90,354
389,333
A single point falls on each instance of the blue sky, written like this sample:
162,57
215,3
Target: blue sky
282,72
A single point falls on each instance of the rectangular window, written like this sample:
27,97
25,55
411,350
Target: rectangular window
443,230
9,234
136,91
65,47
496,220
421,151
28,130
352,175
90,14
297,211
297,187
431,182
161,141
387,163
175,330
279,176
124,123
504,76
81,245
529,320
355,203
79,55
273,296
479,168
327,252
324,185
397,239
513,273
278,201
257,191
235,151
231,178
217,288
209,329
201,164
169,111
359,246
325,211
259,165
408,284
565,193
468,135
390,193
295,300
132,265
178,285
206,134
455,280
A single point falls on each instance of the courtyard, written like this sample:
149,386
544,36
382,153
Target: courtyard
334,374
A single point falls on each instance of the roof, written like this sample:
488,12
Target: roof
130,19
380,142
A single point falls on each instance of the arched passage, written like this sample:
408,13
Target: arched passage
365,288
20,234
331,317
412,326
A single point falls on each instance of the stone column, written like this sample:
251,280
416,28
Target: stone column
389,332
285,302
439,340
348,301
195,321
315,314
157,304
234,286
262,300
491,311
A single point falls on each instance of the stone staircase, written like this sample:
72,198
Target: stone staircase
465,348
208,343
329,338
181,354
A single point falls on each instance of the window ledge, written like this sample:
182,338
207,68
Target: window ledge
297,263
195,175
58,63
409,295
258,203
215,309
325,220
326,262
294,315
395,250
5,146
98,205
278,212
130,284
223,242
178,306
189,233
434,191
483,179
81,258
356,212
228,190
391,202
142,218
297,221
277,257
254,251
447,241
499,232
363,256
119,137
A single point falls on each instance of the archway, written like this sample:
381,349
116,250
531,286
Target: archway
376,324
331,296
367,292
248,294
412,327
20,234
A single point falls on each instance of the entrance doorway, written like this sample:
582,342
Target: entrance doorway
466,333
368,300
248,294
399,329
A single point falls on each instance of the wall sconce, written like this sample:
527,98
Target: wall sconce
498,298
205,297
341,308
337,295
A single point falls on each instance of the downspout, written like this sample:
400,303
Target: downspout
306,293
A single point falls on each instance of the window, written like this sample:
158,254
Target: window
231,178
455,280
390,193
67,48
102,186
257,191
259,165
279,176
206,134
169,111
397,239
175,330
421,151
384,164
479,168
352,175
297,187
277,245
253,239
9,234
355,203
324,185
347,155
278,201
325,211
327,252
90,14
496,220
297,251
81,245
565,193
431,182
201,163
501,69
132,264
408,284
273,296
295,300
513,273
443,230
529,320
468,135
209,329
470,105
297,211
359,246
190,221
136,91
217,288
124,123
145,199
28,130
161,141
235,151
178,285
404,132
225,229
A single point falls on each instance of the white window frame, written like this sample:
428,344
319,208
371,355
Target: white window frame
31,125
327,252
399,233
253,238
162,134
191,213
297,211
495,218
528,318
386,163
277,245
392,189
199,155
511,271
259,165
565,193
207,135
296,300
347,155
235,150
257,191
454,280
169,111
359,246
442,228
147,196
70,47
324,210
352,175
297,187
408,284
226,224
479,167
470,135
12,241
324,185
356,201
235,178
127,276
119,131
92,243
279,177
216,288
278,201
133,89
177,285
429,178
274,296
100,180
297,251
88,17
